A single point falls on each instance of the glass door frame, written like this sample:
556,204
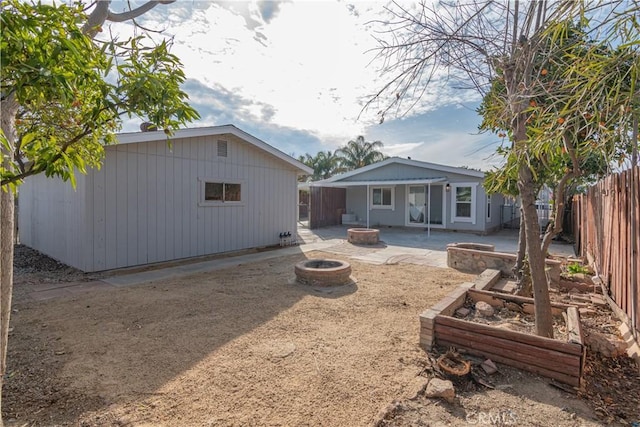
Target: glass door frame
424,224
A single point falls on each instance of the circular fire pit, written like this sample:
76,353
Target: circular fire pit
363,236
323,272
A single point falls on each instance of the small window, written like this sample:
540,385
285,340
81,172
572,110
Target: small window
463,200
222,192
382,197
488,206
214,191
222,148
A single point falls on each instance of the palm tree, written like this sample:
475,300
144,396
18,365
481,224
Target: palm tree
359,153
324,164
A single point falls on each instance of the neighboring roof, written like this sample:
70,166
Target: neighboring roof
381,182
399,160
135,137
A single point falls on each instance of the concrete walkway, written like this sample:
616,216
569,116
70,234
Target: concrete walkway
398,245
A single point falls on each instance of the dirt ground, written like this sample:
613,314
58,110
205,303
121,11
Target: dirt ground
248,346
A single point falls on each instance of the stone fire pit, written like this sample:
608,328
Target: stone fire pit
363,236
323,272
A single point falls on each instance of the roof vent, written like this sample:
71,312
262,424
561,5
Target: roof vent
148,127
222,148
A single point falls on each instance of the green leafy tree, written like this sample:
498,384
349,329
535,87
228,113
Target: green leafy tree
569,145
63,96
476,42
325,164
358,153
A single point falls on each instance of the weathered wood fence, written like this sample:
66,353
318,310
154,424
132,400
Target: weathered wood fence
607,231
326,206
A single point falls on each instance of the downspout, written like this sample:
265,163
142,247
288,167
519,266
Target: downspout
297,203
368,205
429,210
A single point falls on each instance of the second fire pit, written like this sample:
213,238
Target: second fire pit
323,272
363,236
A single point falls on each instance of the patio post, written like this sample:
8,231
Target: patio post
367,205
429,210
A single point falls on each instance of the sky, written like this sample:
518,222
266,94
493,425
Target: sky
297,74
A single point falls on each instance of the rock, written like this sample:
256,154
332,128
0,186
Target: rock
607,345
417,386
484,309
489,367
440,388
583,278
463,312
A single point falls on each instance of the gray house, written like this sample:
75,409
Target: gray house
410,193
212,190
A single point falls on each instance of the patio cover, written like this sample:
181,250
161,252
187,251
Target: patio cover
382,182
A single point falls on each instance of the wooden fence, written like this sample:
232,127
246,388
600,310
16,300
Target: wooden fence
326,206
607,231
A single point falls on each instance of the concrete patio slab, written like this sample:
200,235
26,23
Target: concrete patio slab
398,245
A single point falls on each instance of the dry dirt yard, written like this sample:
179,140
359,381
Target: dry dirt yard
249,347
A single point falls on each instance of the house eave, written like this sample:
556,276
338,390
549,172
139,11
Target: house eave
408,162
137,137
380,183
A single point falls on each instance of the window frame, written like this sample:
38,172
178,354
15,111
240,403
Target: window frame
391,206
489,207
203,183
472,202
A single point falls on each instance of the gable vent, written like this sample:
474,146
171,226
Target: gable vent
222,148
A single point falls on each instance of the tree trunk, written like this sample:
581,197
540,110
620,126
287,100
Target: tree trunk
522,249
9,108
542,302
555,227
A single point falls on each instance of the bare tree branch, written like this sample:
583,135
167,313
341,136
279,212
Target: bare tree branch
102,13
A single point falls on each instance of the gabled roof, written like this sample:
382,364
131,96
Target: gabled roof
135,137
382,182
408,162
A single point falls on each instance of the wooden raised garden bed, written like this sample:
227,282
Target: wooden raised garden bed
553,358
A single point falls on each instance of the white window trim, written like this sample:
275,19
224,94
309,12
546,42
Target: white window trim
454,186
392,207
217,203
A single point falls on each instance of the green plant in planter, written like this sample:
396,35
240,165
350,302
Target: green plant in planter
577,268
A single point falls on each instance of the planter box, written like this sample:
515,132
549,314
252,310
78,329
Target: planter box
560,360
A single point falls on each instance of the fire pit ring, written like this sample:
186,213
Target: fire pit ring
363,236
323,272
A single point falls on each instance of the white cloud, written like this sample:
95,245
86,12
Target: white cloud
303,65
401,150
459,149
308,62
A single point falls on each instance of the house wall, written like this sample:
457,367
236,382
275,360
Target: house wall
357,198
144,204
357,203
52,218
497,201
